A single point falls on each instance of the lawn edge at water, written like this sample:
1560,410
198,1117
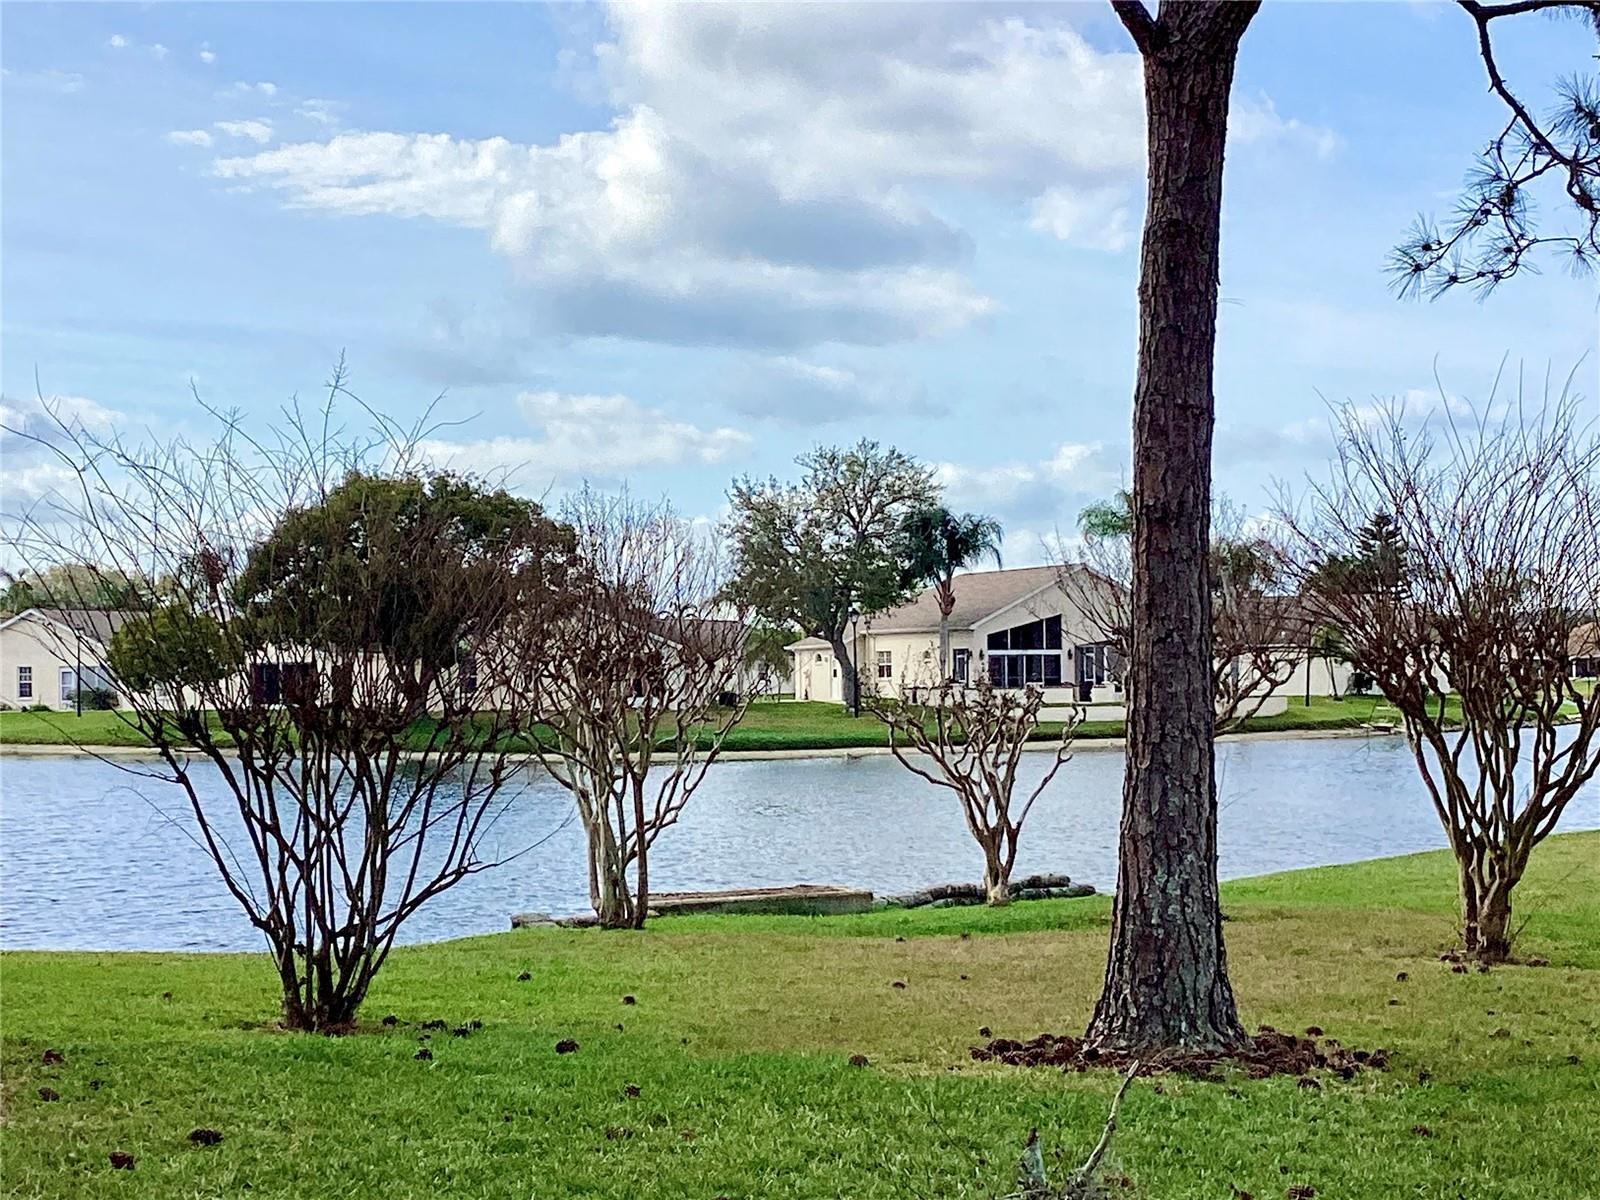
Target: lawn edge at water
772,730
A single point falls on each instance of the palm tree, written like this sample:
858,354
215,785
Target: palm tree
938,544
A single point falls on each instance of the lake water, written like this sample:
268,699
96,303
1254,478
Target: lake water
93,856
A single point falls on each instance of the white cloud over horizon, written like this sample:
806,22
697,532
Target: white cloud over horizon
1027,492
587,436
789,390
774,174
258,130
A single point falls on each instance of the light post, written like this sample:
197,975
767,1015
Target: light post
855,661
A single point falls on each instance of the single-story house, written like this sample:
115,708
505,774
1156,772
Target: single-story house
48,654
1020,626
1030,625
1583,644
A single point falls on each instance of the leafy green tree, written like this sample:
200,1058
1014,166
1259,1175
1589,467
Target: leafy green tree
1376,563
76,585
1108,518
938,544
18,596
812,553
173,646
344,573
1328,644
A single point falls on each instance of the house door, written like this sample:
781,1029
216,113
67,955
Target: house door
1091,670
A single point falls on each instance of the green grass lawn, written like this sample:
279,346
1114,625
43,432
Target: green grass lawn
739,1041
807,725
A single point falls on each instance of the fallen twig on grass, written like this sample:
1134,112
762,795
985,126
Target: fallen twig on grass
1034,1184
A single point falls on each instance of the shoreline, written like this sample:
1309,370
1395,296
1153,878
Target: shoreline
70,750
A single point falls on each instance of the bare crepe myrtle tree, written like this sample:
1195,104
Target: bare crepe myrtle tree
970,739
650,677
1493,572
1256,634
329,662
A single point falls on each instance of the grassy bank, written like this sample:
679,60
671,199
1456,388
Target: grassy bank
738,1046
808,725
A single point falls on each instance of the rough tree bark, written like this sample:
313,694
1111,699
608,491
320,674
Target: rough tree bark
844,656
1166,975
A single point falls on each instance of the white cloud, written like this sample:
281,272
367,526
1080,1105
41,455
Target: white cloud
60,82
189,137
1314,440
774,174
157,50
34,415
1254,119
793,391
323,112
117,42
589,436
29,469
259,131
1094,218
268,90
757,186
1027,492
207,54
629,232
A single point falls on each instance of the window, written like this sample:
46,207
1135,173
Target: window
299,682
960,665
24,683
1026,654
468,670
1012,670
885,664
266,683
278,683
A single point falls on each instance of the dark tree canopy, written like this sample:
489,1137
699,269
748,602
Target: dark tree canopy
1376,562
809,553
939,543
345,572
74,585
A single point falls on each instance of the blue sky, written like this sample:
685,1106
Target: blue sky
670,245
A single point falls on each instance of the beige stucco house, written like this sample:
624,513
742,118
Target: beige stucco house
46,653
1029,625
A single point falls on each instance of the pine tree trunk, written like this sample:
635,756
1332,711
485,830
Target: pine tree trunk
1166,979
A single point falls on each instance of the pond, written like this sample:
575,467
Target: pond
95,857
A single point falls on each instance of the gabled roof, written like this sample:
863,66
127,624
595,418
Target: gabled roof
1584,641
92,624
979,594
